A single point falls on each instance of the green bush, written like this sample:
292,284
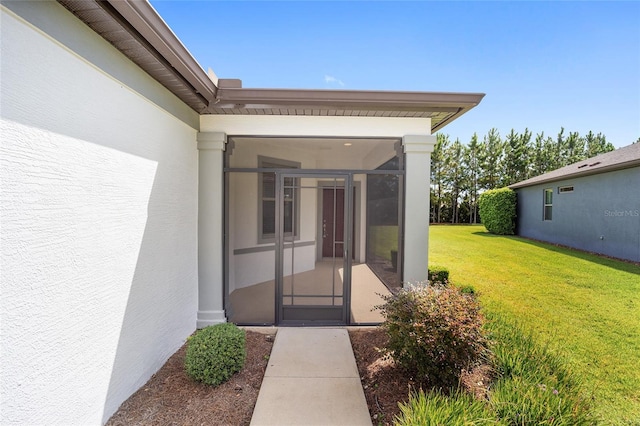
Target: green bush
438,274
434,332
498,211
215,353
467,289
435,409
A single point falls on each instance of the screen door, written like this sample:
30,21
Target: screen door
314,241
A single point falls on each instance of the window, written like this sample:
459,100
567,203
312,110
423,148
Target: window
548,204
267,200
563,189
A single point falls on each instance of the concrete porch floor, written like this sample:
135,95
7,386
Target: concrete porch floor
256,304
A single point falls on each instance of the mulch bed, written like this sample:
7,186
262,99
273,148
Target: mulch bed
170,397
385,385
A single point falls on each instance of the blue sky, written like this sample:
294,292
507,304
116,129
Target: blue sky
542,65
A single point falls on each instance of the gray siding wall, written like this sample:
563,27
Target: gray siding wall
601,215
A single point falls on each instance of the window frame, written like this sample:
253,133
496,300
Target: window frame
265,162
547,210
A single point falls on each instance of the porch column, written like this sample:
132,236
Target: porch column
210,233
417,149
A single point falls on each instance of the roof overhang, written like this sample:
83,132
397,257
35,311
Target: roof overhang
136,29
441,107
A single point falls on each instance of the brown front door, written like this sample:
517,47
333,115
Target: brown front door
332,222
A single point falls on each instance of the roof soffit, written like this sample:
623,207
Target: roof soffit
142,16
441,107
136,30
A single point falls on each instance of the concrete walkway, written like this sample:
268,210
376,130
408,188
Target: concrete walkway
311,379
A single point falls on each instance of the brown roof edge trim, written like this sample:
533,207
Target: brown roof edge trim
144,18
349,97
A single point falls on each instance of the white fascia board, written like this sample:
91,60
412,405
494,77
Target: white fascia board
314,126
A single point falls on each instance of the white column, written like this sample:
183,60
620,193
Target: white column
417,149
210,228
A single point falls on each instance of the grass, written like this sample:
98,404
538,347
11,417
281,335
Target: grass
586,307
533,384
383,239
435,409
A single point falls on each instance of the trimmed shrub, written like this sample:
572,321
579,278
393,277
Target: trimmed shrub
467,289
434,332
394,260
434,408
215,353
438,274
498,211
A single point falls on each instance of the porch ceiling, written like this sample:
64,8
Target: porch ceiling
136,29
319,144
333,153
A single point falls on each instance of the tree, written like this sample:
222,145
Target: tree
454,176
573,149
491,160
437,173
459,172
472,166
556,161
550,155
539,160
525,142
597,144
516,157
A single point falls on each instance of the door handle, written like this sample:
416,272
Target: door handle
324,230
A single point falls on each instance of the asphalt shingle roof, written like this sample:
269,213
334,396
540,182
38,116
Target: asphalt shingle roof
621,158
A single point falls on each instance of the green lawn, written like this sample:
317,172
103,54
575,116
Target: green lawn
587,307
383,239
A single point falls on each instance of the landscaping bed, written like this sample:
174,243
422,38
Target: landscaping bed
529,385
385,385
170,397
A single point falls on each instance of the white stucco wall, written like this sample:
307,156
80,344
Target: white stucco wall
99,224
288,125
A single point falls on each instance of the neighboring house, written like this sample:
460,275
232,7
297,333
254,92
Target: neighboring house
592,205
142,197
